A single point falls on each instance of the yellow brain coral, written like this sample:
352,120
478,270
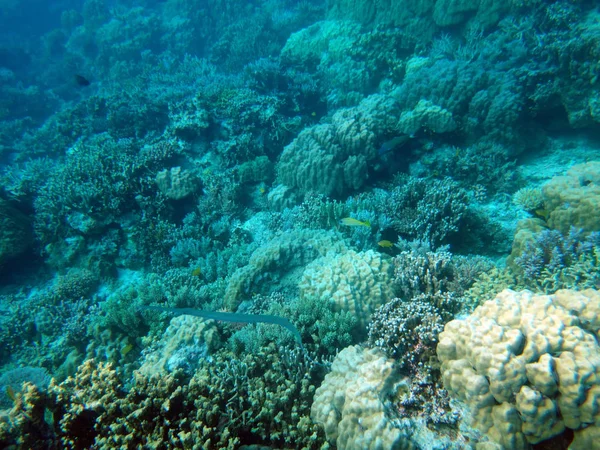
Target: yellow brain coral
528,366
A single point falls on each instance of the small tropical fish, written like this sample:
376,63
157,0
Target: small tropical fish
125,350
393,144
351,222
197,272
543,213
385,243
11,393
81,80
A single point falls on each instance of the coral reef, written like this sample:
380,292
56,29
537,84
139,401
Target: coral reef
347,166
264,397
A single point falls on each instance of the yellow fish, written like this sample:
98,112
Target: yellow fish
385,243
350,222
543,213
125,350
11,393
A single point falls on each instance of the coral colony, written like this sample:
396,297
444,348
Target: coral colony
311,225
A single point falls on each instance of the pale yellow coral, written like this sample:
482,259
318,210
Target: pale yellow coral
183,331
349,404
528,366
574,199
277,257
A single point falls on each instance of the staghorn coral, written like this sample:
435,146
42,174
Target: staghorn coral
527,365
550,250
100,181
547,260
485,163
440,275
430,210
407,331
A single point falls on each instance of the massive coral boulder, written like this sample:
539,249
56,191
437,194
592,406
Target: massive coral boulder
573,199
333,158
528,366
349,404
350,281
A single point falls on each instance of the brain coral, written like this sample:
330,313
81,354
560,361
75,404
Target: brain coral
349,404
355,282
528,366
574,199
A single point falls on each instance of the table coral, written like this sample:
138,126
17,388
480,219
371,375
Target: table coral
528,366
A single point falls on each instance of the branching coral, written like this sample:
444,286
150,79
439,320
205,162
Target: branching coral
227,403
431,210
407,331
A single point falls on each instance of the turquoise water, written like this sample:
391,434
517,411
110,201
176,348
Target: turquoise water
383,219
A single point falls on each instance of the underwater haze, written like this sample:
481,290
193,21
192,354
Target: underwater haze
281,225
